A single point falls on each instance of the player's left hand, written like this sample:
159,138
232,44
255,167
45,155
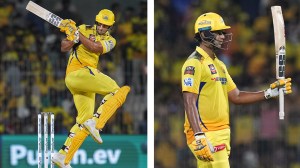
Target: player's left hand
273,91
73,36
202,147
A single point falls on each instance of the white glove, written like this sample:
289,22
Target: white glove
273,91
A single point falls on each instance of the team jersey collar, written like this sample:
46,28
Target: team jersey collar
203,53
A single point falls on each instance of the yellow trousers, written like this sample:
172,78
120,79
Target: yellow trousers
220,157
84,84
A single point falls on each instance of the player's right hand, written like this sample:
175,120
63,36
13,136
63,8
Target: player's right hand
202,147
67,26
273,91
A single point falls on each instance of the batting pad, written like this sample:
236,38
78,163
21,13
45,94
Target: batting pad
78,139
68,141
107,109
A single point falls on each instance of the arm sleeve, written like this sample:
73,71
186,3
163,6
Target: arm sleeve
191,75
108,44
230,85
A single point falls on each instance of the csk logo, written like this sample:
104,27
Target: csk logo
105,17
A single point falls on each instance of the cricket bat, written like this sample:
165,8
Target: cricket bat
279,37
44,14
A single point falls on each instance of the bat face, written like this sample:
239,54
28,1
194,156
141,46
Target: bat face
279,37
44,13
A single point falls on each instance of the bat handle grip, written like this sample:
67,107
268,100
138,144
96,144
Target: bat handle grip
281,104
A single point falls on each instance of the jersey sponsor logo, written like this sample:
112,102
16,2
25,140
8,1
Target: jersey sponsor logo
188,82
221,79
189,70
212,69
219,147
92,37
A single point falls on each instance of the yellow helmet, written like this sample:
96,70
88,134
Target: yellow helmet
210,21
105,17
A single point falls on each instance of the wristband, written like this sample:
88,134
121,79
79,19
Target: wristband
199,135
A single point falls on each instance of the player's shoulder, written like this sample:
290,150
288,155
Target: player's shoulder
221,62
108,36
195,56
194,59
86,27
89,26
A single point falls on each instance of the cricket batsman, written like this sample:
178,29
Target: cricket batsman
87,43
207,89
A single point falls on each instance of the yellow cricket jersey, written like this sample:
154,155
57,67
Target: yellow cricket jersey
81,57
209,79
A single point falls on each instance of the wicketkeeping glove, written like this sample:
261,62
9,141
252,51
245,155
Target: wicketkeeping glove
202,147
273,91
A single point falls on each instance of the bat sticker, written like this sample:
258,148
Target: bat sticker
54,19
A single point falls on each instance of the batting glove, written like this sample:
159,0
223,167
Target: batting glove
202,147
273,91
73,37
67,25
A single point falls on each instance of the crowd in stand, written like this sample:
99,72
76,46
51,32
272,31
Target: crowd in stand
259,138
32,68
